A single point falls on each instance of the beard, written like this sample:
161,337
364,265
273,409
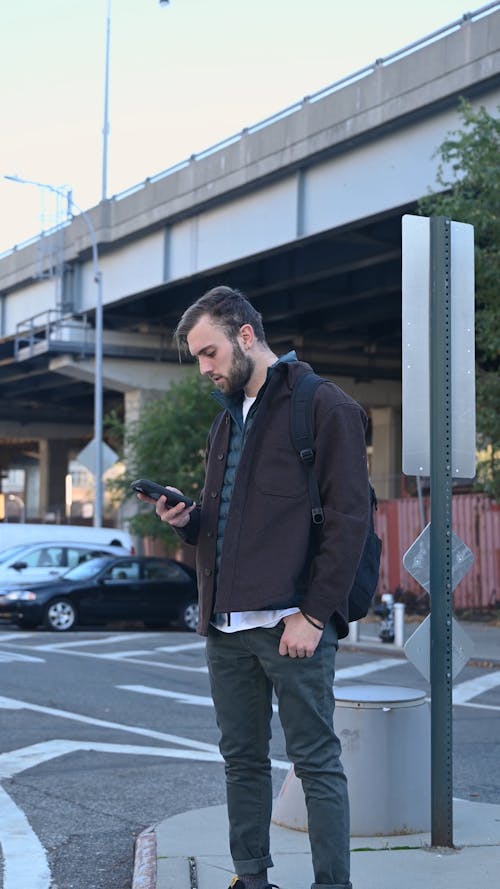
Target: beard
238,375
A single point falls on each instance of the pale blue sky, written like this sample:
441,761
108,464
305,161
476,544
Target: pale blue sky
182,77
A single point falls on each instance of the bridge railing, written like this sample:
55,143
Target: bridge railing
47,327
445,31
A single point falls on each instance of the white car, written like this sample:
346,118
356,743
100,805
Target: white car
45,561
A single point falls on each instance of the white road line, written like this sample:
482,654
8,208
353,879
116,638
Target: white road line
186,647
24,860
17,761
13,704
118,656
466,690
365,669
7,637
180,696
7,657
205,701
481,706
106,640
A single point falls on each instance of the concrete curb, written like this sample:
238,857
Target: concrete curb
144,876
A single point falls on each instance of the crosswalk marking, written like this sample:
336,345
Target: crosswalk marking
24,858
206,701
104,640
181,697
365,669
463,692
179,741
122,657
175,648
7,637
14,704
8,657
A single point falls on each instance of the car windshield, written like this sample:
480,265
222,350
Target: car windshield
86,570
11,551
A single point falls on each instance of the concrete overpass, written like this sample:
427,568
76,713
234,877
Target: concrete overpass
301,211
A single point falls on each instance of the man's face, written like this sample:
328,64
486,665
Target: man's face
225,362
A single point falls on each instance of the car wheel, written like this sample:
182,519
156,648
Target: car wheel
60,615
187,618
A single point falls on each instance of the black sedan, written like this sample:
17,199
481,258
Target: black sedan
155,591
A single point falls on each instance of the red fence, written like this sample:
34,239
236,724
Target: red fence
476,520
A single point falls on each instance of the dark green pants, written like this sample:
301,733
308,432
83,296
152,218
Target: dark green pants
244,669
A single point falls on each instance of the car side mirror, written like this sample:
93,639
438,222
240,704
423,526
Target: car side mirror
19,565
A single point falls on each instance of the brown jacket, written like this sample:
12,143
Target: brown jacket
272,557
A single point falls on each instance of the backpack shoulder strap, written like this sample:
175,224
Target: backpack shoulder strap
301,430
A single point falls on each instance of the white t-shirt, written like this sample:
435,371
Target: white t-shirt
249,620
247,404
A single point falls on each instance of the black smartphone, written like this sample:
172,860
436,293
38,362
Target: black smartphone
155,491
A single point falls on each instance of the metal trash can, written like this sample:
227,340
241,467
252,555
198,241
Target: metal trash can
385,735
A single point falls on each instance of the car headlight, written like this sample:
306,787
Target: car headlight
20,596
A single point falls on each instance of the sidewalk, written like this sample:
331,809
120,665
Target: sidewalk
190,850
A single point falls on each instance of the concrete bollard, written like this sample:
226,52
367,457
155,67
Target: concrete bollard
385,736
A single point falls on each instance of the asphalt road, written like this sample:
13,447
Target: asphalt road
105,733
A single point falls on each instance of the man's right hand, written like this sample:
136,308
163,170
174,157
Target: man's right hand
178,516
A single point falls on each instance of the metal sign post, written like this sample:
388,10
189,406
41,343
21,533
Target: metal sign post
439,441
441,532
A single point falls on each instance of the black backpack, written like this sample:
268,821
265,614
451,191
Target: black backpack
366,579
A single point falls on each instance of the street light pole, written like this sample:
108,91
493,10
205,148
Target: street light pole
105,124
98,424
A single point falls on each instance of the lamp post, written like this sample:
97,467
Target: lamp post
105,123
98,425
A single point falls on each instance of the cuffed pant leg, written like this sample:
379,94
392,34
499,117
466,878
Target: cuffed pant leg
304,688
242,696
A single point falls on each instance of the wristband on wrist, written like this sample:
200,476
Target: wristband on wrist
312,622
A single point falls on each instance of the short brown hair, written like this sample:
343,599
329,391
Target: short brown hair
226,307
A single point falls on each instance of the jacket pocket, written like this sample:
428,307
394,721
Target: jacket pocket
280,474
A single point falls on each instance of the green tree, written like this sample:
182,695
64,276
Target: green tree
167,445
469,191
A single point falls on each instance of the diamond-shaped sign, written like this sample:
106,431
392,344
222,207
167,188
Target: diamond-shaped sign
417,559
88,456
418,648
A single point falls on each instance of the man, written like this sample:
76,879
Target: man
273,588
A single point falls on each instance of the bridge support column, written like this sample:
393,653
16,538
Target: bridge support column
54,456
136,399
386,457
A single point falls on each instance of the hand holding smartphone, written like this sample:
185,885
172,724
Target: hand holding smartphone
155,491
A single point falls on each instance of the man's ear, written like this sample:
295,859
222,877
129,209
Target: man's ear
247,336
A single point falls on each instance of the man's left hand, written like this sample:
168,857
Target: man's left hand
299,638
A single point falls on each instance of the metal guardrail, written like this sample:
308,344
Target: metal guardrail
45,327
291,109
